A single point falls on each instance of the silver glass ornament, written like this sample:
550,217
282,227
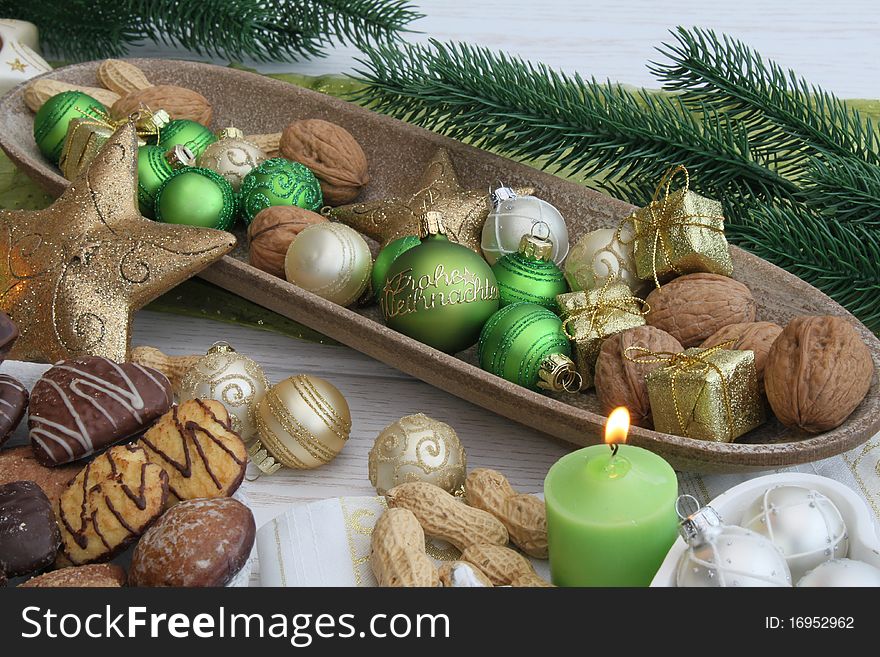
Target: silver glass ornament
842,573
804,523
720,555
512,217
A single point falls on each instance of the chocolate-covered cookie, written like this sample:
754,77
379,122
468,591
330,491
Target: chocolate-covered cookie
28,534
196,543
8,335
99,575
109,504
19,463
195,444
13,402
83,405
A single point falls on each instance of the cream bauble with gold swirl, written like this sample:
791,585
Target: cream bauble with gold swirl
231,156
302,422
417,448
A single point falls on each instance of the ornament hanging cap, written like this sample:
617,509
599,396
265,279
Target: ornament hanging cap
261,458
502,194
221,347
534,246
697,525
230,133
159,119
431,224
558,374
179,157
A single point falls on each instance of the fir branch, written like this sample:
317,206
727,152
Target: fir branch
844,189
369,21
534,113
789,120
842,260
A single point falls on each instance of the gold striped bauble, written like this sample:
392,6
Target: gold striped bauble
302,422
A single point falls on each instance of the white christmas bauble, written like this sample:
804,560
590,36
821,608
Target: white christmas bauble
231,378
842,573
232,157
804,523
513,217
330,260
732,556
599,255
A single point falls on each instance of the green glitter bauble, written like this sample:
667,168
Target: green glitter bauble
279,182
191,134
52,119
517,339
152,171
522,278
196,197
389,253
439,293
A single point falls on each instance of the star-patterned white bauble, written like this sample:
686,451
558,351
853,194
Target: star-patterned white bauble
803,523
513,216
231,378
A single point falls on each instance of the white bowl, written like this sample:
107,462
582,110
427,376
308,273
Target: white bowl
864,542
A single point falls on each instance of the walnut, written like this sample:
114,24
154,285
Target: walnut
333,155
748,336
620,381
272,231
693,307
179,102
817,372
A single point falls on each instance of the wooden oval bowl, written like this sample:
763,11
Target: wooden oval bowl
397,153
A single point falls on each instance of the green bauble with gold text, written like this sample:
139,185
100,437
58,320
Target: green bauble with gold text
517,340
196,197
279,182
439,293
52,119
184,132
389,253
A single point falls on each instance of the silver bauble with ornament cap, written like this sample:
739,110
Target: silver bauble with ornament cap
720,555
513,216
231,378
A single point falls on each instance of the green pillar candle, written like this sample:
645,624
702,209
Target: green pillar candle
610,518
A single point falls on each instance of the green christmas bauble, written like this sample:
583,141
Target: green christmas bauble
51,120
196,197
517,342
279,182
389,253
530,275
184,132
155,166
439,292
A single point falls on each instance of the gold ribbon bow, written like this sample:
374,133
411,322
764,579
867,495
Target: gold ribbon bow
661,217
600,312
142,118
682,362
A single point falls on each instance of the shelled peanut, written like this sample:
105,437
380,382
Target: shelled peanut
503,566
443,516
523,515
398,553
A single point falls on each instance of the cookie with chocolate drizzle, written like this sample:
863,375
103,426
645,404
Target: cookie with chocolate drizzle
109,504
13,402
199,450
82,405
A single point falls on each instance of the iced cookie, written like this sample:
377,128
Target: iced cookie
83,405
13,403
19,463
99,575
195,444
28,533
109,504
196,543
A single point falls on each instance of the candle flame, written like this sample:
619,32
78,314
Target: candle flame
617,426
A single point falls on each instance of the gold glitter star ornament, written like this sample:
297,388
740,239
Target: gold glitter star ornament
72,275
464,211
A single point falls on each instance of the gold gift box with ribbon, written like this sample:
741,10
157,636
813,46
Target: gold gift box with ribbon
679,232
707,394
591,316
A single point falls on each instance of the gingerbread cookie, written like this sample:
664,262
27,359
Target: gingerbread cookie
196,543
13,403
99,575
195,444
19,463
28,533
109,504
83,405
